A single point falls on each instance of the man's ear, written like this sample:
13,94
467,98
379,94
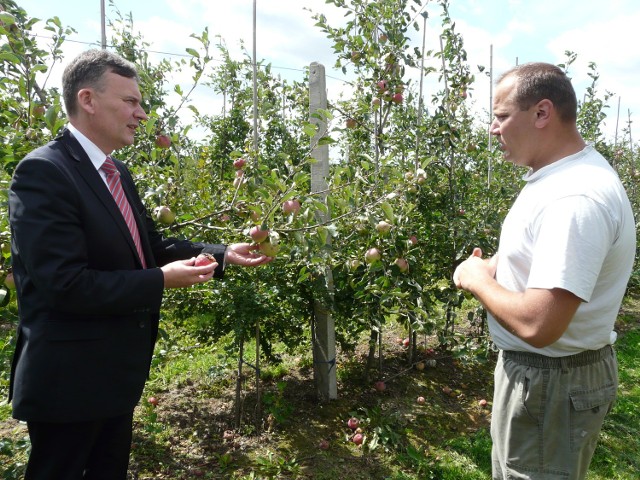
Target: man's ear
86,100
544,109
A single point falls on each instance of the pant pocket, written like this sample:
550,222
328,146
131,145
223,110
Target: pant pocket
588,412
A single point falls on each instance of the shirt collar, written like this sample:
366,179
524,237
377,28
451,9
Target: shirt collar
96,155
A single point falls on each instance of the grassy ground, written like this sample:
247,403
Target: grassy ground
191,432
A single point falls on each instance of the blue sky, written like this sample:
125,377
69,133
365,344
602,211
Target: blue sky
605,33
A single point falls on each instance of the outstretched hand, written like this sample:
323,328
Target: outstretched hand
245,255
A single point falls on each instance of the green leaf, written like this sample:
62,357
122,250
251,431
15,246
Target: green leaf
7,19
388,211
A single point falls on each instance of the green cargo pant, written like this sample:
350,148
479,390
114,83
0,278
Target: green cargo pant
548,412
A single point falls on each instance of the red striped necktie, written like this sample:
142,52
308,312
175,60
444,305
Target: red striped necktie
115,186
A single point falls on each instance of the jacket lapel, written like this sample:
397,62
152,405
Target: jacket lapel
90,175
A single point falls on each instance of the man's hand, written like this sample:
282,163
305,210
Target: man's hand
474,270
244,254
184,273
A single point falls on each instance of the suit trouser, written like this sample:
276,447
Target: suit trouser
97,450
548,412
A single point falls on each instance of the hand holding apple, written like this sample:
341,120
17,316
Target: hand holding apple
245,255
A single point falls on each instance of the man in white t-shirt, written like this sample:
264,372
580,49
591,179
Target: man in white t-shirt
554,289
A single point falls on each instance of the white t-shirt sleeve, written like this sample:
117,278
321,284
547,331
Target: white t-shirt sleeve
571,238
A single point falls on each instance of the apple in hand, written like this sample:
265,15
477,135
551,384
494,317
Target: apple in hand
268,248
204,259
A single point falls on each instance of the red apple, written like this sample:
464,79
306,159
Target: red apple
258,235
204,259
351,123
383,38
382,85
380,386
153,401
352,423
164,215
420,400
447,390
413,239
239,163
323,445
291,206
402,264
396,98
358,438
482,403
163,141
406,342
38,110
376,102
372,255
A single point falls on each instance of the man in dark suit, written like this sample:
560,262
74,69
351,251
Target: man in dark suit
90,271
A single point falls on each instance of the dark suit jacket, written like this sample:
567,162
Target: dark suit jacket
88,311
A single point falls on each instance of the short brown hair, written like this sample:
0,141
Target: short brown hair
87,70
537,81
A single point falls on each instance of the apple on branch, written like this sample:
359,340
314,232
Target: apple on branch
291,207
402,264
258,235
239,163
372,255
383,227
164,215
163,141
